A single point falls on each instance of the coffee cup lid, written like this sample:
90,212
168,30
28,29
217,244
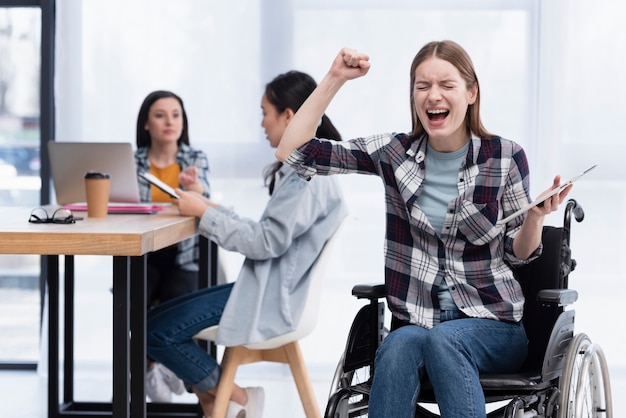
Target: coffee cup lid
97,175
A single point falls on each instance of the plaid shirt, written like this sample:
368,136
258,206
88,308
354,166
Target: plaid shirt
472,253
188,250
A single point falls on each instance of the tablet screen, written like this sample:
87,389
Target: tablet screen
158,183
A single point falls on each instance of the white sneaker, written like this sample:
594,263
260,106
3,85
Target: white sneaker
156,388
175,384
256,401
235,410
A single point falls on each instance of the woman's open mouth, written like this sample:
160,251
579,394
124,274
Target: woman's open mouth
436,115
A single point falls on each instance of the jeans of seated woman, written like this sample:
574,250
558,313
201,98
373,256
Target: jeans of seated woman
452,353
172,326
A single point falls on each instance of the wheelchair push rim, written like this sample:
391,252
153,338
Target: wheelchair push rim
584,385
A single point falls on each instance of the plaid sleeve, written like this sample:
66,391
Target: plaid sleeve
322,156
516,195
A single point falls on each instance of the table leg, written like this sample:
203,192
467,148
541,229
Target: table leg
53,335
68,331
129,337
129,340
207,277
121,336
138,336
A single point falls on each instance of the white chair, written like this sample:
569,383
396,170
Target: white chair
282,349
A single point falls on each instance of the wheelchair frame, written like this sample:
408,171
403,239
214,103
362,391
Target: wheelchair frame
565,375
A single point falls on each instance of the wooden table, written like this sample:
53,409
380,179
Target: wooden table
128,239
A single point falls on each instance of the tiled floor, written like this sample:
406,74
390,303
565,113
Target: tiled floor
358,260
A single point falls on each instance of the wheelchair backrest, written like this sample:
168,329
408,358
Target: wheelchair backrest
548,271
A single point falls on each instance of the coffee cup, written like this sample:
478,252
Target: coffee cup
97,187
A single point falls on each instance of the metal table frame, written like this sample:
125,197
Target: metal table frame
126,288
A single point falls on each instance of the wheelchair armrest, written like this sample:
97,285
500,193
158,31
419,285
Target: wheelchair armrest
559,297
369,291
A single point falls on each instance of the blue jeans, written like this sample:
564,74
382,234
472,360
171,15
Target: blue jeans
452,353
171,327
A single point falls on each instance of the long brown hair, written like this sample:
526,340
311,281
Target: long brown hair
453,53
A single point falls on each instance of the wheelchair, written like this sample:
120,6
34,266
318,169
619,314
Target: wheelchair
564,376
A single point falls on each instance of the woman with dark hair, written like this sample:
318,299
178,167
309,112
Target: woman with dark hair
456,305
163,150
286,91
267,298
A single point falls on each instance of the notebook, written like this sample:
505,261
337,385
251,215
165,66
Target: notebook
69,161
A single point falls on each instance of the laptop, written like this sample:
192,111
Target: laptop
69,161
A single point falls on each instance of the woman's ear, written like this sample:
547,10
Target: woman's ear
473,93
288,114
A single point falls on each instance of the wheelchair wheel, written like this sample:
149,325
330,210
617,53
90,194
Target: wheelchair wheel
347,398
347,404
344,379
350,387
584,385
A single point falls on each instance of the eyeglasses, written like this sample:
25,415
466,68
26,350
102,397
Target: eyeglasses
59,216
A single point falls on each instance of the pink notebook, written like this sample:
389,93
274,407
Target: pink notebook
129,208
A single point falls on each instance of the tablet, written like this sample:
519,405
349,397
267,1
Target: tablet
546,195
158,183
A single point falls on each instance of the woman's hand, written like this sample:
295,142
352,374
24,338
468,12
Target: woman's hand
552,203
350,64
188,178
192,203
528,237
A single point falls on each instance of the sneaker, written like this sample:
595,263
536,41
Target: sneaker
156,388
175,384
235,410
256,401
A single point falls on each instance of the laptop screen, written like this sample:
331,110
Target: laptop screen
69,161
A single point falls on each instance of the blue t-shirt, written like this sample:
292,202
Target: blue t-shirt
439,188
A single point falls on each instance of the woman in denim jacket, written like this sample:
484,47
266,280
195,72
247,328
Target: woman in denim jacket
267,299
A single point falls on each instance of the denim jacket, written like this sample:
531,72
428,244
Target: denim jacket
268,297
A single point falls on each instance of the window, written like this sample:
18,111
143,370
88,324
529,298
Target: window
20,47
20,79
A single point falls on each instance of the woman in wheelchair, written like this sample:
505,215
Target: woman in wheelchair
448,263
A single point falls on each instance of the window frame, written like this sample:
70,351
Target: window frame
46,130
